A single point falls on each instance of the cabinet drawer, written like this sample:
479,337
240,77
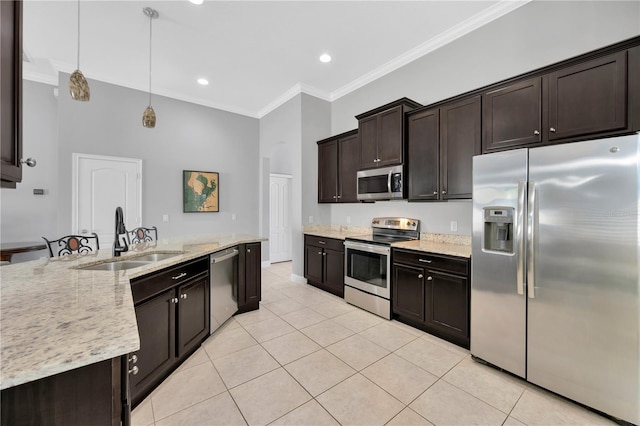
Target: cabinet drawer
330,243
152,284
432,261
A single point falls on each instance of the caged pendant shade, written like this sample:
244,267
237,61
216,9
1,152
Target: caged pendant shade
149,116
78,86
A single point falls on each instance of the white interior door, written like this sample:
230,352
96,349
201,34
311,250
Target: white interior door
100,184
280,218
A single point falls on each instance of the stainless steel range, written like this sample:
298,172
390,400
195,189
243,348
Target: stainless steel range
368,263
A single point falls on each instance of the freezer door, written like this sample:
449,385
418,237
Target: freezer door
498,303
583,307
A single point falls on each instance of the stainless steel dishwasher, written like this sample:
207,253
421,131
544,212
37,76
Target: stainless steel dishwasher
224,286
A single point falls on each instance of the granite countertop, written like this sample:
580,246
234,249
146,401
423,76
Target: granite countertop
451,249
55,317
336,234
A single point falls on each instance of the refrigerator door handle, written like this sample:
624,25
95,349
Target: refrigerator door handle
531,240
520,226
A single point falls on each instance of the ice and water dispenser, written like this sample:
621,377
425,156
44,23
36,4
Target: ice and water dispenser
498,229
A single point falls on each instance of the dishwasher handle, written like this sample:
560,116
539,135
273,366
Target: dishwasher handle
223,257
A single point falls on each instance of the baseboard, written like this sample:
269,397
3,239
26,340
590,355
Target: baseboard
298,279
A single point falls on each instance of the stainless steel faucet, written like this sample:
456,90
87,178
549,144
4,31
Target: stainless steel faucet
120,229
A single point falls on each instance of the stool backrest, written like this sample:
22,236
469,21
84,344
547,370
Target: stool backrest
70,244
142,235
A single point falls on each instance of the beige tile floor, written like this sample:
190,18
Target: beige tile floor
308,358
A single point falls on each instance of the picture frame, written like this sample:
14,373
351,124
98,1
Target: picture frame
200,191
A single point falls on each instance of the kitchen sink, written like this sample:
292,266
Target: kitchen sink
154,257
117,265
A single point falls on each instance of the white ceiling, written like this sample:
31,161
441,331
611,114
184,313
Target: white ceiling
255,54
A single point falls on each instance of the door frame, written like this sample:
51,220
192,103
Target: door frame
75,161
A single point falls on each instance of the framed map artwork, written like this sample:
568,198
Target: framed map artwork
200,191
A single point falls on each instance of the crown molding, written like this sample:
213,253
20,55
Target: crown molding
490,14
291,93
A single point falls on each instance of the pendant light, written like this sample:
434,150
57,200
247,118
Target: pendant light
149,116
78,86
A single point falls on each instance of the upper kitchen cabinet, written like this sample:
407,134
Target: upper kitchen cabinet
441,144
337,168
10,93
460,140
512,115
588,98
381,133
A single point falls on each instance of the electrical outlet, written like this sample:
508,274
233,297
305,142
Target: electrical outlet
310,219
454,225
348,219
233,216
165,218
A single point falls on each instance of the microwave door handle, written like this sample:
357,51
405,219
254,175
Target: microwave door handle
389,181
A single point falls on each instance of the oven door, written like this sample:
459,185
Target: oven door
367,268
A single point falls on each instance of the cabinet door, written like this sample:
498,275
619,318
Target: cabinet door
313,263
11,93
390,136
423,155
193,314
328,172
447,304
334,271
588,98
156,327
512,116
253,283
368,135
348,149
460,138
408,291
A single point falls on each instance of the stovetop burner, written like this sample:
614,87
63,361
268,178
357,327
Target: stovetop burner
388,230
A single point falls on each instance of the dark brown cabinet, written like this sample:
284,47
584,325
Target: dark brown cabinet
172,310
249,277
324,263
337,168
10,93
512,115
89,395
381,134
432,292
441,145
588,98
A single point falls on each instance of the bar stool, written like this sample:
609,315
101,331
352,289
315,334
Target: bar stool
71,244
142,235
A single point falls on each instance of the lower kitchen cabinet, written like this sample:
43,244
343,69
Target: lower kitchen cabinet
324,263
91,395
432,292
249,277
172,310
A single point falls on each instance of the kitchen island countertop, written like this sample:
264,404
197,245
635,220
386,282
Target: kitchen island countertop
55,317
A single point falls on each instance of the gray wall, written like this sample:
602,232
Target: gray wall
186,137
537,34
24,216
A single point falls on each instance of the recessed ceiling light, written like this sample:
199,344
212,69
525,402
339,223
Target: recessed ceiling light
203,81
196,1
325,58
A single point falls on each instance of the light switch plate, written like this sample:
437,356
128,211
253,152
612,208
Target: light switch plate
310,219
165,218
454,225
233,216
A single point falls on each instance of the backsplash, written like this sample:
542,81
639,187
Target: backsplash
355,230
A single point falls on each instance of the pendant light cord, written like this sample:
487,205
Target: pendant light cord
150,39
78,58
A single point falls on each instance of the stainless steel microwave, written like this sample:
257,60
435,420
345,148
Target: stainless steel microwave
384,183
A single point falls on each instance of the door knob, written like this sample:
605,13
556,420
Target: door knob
183,296
444,192
535,132
429,278
420,276
84,231
134,370
552,129
435,192
133,359
174,300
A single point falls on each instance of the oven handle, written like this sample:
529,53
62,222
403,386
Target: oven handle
370,248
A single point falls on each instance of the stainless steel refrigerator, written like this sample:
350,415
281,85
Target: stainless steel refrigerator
555,290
